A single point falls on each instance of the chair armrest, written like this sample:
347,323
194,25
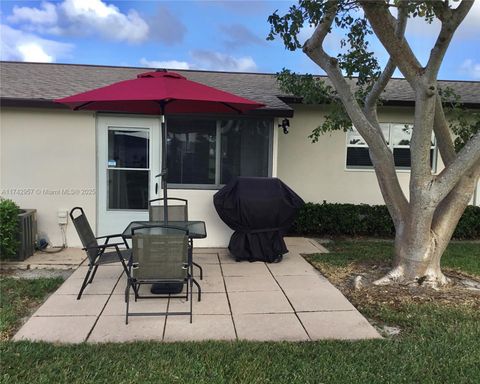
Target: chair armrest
102,246
107,238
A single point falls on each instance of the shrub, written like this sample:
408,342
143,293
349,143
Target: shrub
367,220
9,228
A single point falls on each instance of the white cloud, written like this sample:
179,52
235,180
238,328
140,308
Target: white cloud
175,64
217,61
471,69
47,14
23,46
82,17
34,52
206,60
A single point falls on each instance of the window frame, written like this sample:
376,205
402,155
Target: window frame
391,146
218,154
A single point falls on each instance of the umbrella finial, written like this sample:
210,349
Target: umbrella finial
160,70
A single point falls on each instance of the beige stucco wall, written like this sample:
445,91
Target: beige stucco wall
317,171
47,162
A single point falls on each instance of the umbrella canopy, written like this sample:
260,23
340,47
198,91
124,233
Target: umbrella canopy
157,93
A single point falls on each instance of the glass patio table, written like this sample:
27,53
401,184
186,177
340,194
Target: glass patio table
196,230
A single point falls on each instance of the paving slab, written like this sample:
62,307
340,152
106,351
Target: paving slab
113,329
116,305
269,327
208,270
227,258
304,282
293,269
203,327
68,305
245,268
104,271
102,286
212,284
326,299
346,325
211,304
251,283
303,245
55,329
206,258
264,302
259,302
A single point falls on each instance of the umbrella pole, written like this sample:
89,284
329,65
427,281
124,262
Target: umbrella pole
164,164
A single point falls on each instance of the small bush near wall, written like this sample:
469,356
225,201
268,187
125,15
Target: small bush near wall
9,228
367,220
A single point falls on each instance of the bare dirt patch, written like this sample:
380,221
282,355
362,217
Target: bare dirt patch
464,289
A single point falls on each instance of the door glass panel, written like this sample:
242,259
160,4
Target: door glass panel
127,189
128,167
128,148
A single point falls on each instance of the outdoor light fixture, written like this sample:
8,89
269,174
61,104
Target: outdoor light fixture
285,125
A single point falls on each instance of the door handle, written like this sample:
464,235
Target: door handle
156,188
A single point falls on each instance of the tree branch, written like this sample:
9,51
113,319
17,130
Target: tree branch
443,134
383,24
371,100
382,157
467,160
451,19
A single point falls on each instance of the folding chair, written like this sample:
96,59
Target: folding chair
161,254
177,210
96,252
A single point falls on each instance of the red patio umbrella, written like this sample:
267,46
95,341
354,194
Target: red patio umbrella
159,93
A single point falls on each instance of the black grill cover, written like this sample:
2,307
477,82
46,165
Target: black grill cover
260,210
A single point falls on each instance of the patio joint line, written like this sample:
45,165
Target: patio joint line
228,297
103,309
289,302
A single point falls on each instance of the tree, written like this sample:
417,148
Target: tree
425,221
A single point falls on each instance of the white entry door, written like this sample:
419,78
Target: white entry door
128,158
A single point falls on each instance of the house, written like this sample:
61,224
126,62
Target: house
53,159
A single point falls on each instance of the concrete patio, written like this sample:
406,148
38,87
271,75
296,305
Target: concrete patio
287,301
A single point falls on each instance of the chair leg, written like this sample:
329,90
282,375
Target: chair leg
127,299
200,268
199,289
191,298
93,274
85,282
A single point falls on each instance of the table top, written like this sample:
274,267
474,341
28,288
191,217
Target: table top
196,229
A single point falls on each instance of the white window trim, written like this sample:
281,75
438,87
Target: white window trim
391,147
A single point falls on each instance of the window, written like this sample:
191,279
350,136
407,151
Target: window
398,138
209,152
128,168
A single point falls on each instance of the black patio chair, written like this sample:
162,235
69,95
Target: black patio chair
177,210
97,253
161,255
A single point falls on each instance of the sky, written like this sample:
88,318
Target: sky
207,35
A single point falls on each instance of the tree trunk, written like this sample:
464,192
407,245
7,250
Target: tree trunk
417,255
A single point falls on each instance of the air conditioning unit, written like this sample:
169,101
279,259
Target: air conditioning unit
27,234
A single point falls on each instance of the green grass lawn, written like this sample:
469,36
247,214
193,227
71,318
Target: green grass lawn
18,297
459,256
438,344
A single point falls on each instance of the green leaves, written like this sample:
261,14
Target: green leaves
464,123
8,228
314,90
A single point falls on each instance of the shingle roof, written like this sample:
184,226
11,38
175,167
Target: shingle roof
40,82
